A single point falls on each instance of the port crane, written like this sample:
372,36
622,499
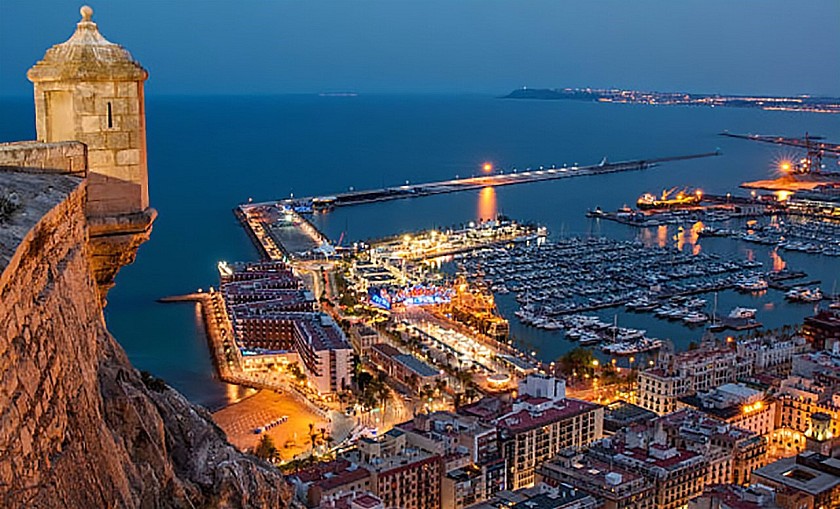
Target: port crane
815,149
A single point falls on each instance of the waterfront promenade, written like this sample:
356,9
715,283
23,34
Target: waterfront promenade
226,358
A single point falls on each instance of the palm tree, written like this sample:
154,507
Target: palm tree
427,392
440,386
266,449
470,393
464,377
383,393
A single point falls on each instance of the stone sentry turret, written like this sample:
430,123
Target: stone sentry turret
89,89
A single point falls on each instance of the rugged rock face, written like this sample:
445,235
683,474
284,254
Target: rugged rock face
79,426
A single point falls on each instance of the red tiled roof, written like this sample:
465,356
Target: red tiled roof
562,409
332,474
366,500
642,455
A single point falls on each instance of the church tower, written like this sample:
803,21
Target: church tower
90,90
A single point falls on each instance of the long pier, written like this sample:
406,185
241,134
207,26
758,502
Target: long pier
478,182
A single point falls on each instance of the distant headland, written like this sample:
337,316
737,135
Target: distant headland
616,95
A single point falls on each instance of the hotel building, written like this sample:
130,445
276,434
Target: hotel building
539,427
276,322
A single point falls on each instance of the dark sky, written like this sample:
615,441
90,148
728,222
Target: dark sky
278,46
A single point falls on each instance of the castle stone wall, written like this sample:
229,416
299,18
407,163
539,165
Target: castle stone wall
34,156
79,427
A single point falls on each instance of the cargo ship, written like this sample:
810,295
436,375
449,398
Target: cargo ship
666,201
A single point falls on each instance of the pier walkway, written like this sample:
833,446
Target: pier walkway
478,182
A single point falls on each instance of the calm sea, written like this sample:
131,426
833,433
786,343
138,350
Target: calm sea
206,154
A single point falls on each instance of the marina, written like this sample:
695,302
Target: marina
556,283
789,234
778,220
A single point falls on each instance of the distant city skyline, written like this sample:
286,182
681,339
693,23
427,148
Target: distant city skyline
442,47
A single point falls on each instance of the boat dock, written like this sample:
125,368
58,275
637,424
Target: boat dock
280,233
477,182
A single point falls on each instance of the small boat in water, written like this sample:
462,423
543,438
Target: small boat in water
744,313
751,284
799,294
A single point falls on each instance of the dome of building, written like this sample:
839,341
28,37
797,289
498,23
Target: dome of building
87,56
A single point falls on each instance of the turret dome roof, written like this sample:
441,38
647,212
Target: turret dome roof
87,56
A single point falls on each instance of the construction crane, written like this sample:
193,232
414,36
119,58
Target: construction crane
815,149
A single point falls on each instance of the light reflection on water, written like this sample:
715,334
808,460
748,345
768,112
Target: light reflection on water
487,207
777,260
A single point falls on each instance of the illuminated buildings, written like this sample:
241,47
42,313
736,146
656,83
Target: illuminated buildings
712,365
798,400
738,405
808,480
330,480
614,486
276,322
677,475
402,475
732,452
363,337
398,473
539,427
474,469
730,496
312,339
404,368
685,373
280,273
823,329
771,354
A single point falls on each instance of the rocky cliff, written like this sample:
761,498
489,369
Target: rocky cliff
79,426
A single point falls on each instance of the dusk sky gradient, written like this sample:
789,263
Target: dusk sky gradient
461,46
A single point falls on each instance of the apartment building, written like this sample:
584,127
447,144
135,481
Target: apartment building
615,487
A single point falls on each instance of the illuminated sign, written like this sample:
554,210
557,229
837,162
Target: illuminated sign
379,297
418,295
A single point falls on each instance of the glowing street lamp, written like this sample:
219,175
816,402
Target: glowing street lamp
487,167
